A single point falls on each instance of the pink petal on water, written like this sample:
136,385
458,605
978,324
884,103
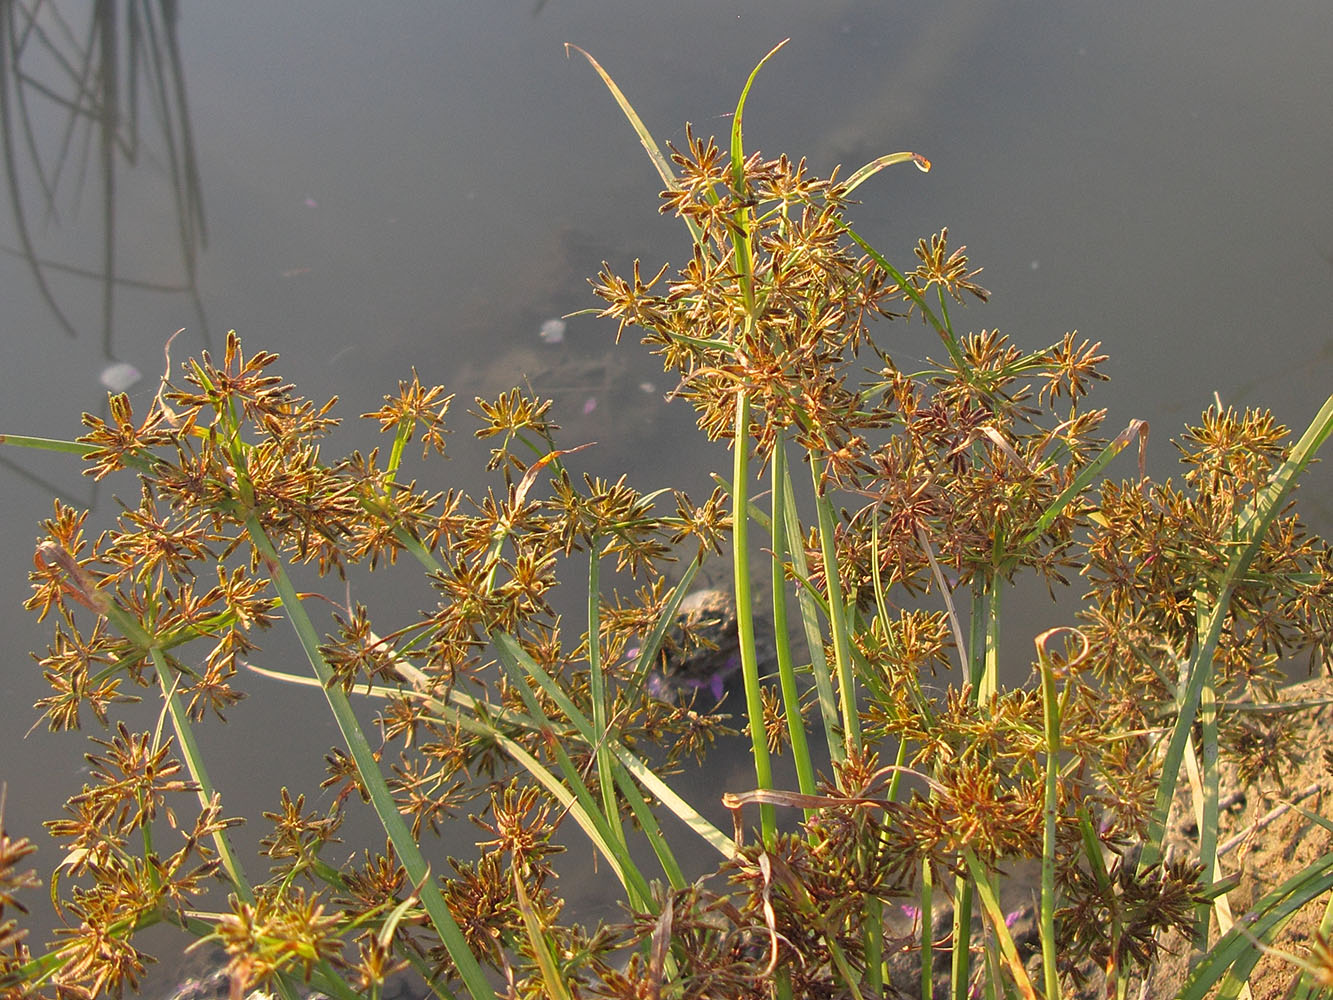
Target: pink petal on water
589,405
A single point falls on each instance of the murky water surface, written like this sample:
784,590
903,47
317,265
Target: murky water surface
364,188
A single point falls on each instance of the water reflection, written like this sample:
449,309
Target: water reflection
88,94
105,207
116,78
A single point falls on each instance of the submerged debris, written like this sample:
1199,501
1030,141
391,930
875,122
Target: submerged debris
702,650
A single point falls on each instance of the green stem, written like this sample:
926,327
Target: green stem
808,603
960,969
597,680
518,663
1208,828
130,627
791,695
842,655
927,932
740,542
976,635
872,938
194,763
1051,721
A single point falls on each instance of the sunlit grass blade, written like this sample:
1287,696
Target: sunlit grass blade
990,905
1234,955
516,660
740,555
194,763
838,624
47,444
960,960
941,326
1050,810
652,642
738,119
926,908
809,604
1092,854
85,584
1213,603
740,235
791,695
650,146
1086,475
879,163
681,809
543,949
1207,791
520,666
363,757
652,831
597,684
472,715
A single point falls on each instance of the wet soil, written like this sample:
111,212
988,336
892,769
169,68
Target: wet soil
1268,834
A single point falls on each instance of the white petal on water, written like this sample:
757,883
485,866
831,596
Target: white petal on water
119,376
552,331
647,387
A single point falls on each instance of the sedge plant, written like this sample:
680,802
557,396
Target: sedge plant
901,505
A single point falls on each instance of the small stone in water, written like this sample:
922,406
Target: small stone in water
119,376
552,331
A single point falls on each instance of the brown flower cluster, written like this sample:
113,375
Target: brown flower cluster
176,594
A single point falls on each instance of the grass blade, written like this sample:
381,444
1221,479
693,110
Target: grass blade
808,603
1251,526
358,747
879,163
737,121
1235,953
542,949
650,146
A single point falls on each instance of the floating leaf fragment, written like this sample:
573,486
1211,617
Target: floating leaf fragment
552,331
119,376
